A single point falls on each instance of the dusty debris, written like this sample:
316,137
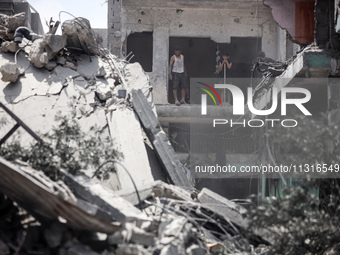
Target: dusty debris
51,65
84,215
8,24
11,72
9,46
101,72
155,189
174,222
37,55
80,35
233,212
53,44
61,60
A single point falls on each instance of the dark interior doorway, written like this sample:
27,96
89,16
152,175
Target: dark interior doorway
141,46
200,57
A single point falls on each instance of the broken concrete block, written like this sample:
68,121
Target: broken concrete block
155,189
16,21
70,65
103,91
80,35
43,58
33,189
10,72
9,46
172,249
61,60
231,210
92,191
131,249
132,234
101,72
37,49
50,65
53,44
194,249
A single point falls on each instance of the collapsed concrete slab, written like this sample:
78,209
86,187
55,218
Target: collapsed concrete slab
41,94
233,212
155,189
122,124
92,191
38,194
159,140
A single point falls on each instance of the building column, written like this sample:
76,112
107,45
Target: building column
281,44
114,26
159,75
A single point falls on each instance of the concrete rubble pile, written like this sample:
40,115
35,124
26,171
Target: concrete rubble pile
158,219
84,215
8,24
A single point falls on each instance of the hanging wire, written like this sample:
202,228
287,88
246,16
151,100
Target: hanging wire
16,53
133,182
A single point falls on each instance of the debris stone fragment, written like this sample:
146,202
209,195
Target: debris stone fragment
8,24
80,35
10,72
9,46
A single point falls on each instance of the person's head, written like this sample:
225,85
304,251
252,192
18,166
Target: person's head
261,54
178,50
225,55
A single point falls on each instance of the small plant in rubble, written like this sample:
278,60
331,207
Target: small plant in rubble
306,218
66,147
299,222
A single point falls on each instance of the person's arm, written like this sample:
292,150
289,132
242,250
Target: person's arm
172,60
220,66
229,64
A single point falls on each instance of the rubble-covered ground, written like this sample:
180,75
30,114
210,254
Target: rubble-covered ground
136,208
71,75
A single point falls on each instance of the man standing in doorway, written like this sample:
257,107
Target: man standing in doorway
178,75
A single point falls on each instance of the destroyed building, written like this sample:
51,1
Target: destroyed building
124,92
282,29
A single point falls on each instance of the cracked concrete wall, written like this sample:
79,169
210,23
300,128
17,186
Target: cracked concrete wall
218,24
39,95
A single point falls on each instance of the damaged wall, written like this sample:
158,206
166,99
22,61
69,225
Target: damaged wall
297,17
219,22
84,93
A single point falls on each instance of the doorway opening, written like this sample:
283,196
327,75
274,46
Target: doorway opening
200,57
